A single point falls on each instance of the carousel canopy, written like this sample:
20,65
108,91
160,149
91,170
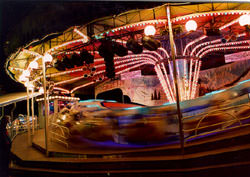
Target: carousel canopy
83,56
13,98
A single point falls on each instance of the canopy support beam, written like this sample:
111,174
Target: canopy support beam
28,116
46,100
171,39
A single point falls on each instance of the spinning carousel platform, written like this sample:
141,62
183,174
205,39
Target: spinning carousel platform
224,154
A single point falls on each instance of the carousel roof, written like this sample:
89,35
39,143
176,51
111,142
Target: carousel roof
216,22
10,98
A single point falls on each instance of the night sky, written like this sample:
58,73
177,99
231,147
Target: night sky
22,22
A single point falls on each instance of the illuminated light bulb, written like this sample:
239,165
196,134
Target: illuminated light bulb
244,20
26,84
41,91
63,117
29,85
47,58
191,25
26,73
33,65
149,30
23,78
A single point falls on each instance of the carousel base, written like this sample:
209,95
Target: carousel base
225,154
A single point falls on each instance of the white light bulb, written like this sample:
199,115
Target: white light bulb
41,91
23,78
149,30
244,20
63,117
191,25
29,85
47,58
33,65
26,73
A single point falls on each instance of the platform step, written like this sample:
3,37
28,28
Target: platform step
229,170
230,152
216,157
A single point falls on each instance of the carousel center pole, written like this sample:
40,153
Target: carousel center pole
171,39
46,108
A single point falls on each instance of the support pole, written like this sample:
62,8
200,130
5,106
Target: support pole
12,118
40,114
2,112
32,111
12,112
28,117
55,106
46,131
171,39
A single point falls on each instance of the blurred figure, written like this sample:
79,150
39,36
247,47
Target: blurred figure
5,145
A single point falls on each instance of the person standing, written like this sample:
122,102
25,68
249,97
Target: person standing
5,146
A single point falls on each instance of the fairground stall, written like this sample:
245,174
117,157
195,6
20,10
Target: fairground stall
167,81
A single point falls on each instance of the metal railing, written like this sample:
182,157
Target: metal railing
58,132
17,127
233,120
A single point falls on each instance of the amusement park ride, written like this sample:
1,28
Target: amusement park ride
107,137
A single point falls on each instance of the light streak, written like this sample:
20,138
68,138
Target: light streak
81,86
196,80
193,83
203,44
164,51
190,77
220,45
168,83
61,89
191,43
163,83
222,48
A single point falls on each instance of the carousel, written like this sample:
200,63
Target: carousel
165,80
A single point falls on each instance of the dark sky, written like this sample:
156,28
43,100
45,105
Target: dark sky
22,22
